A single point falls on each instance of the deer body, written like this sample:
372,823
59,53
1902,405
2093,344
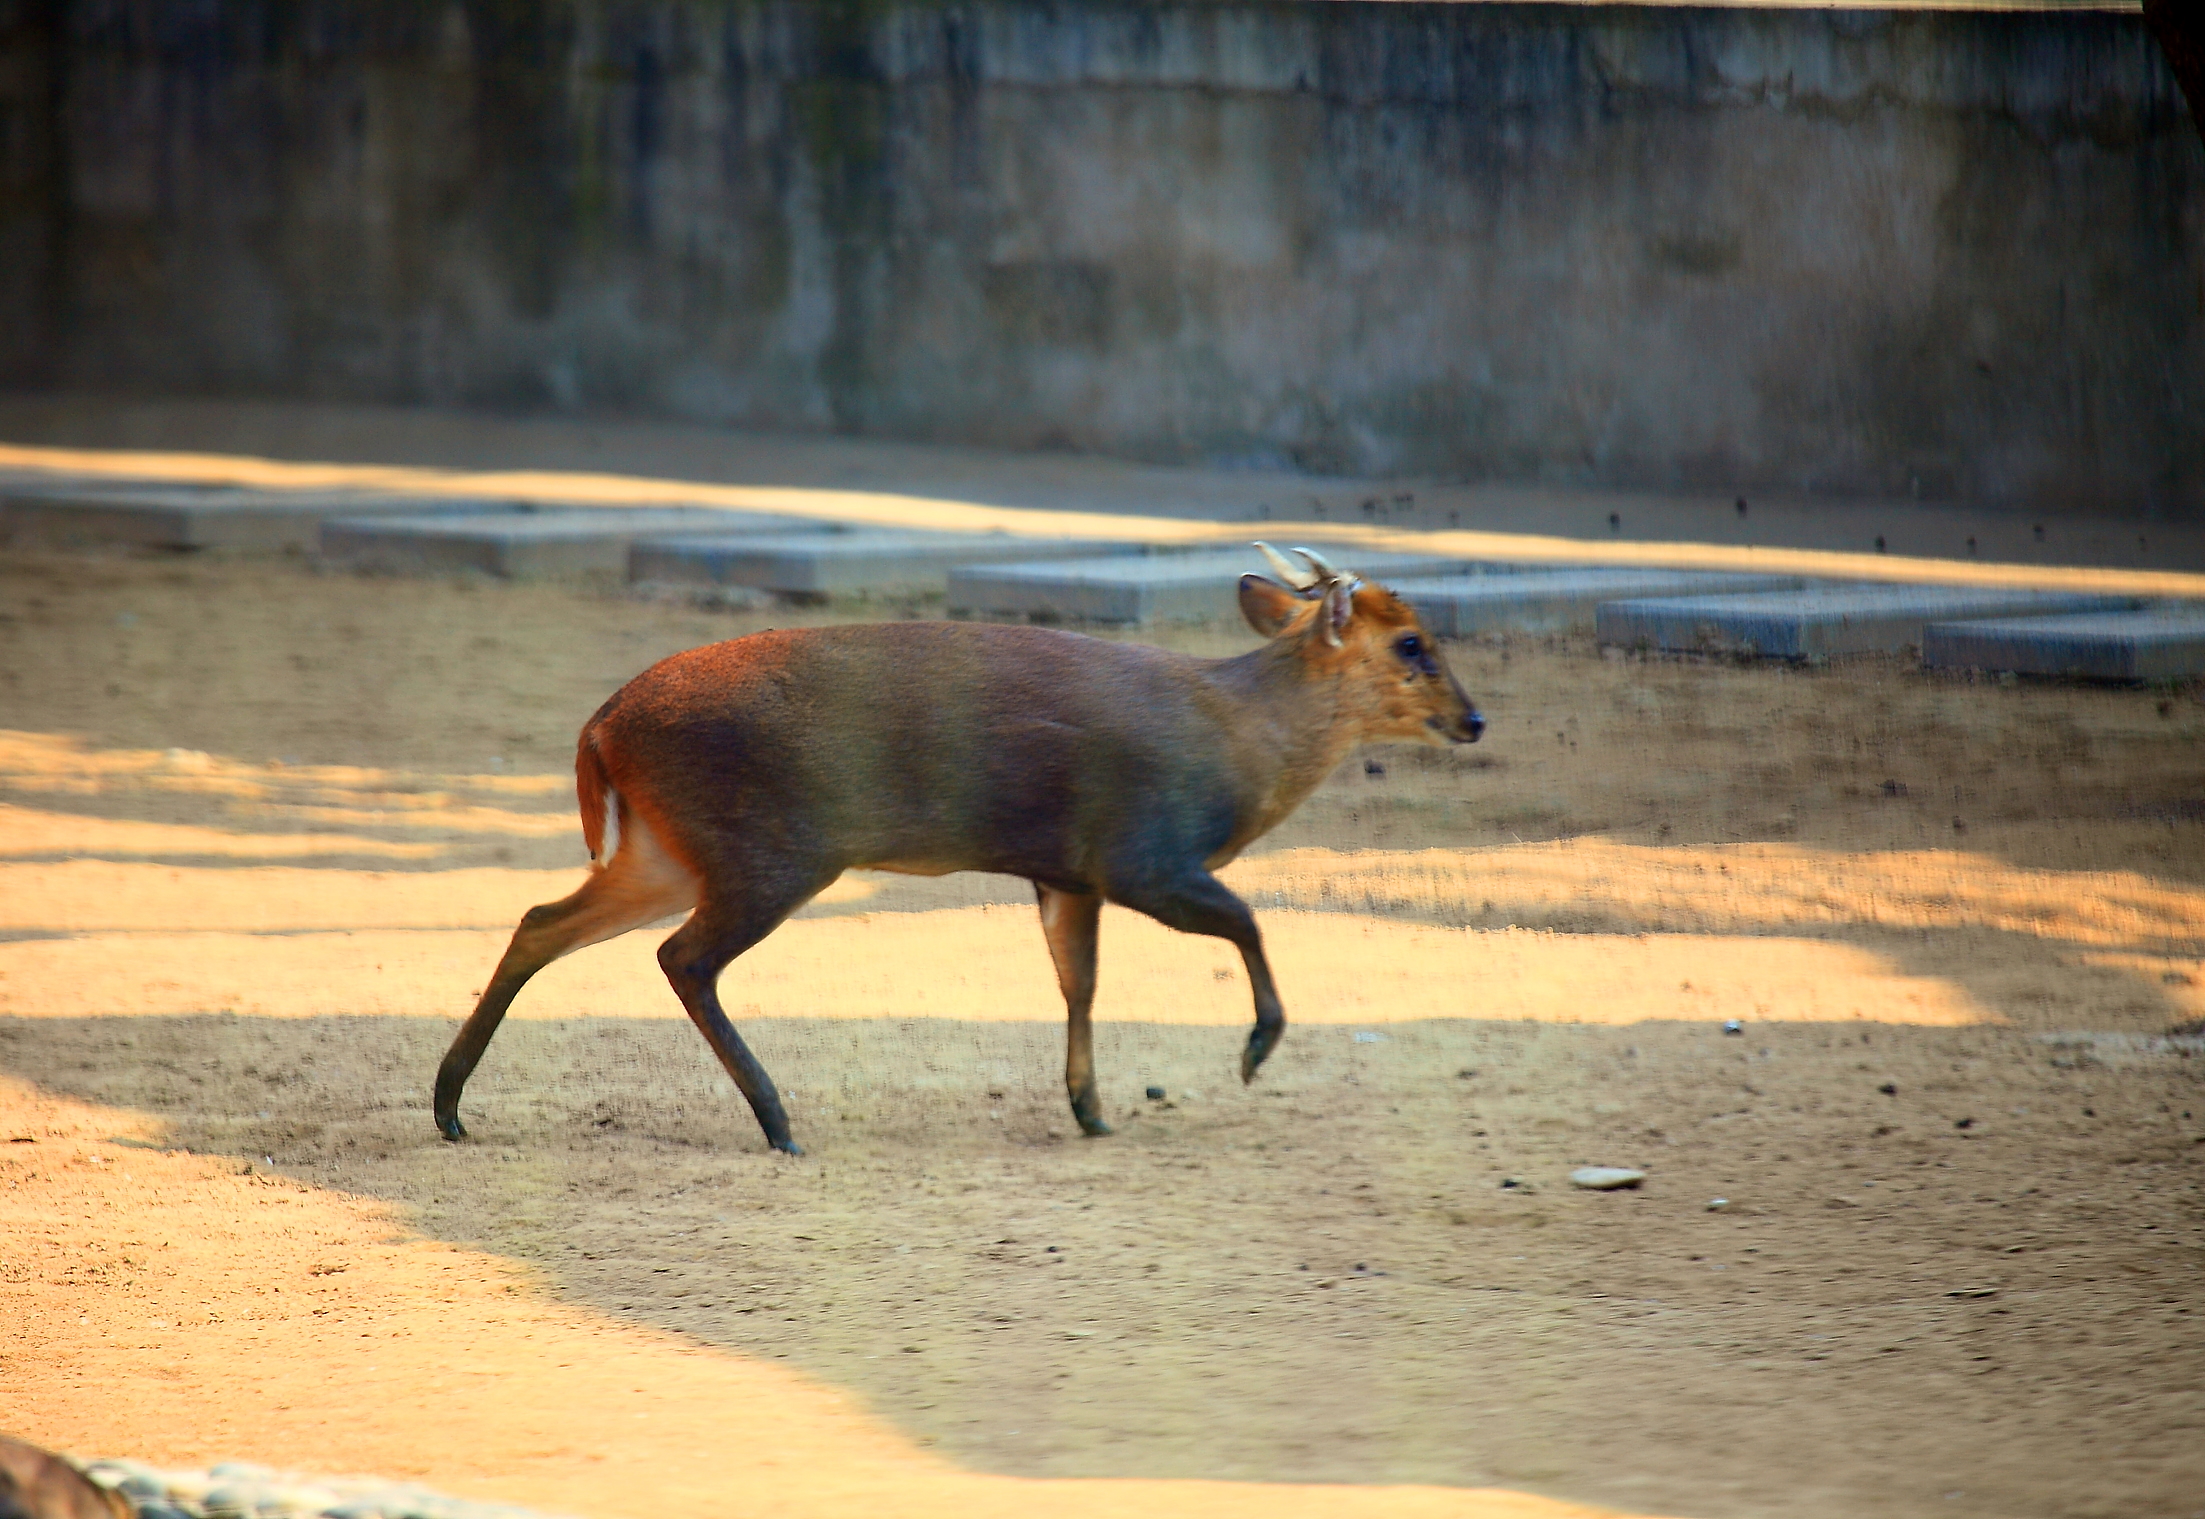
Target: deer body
738,780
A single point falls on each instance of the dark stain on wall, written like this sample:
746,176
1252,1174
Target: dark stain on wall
33,208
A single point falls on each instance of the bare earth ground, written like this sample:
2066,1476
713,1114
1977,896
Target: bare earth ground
267,829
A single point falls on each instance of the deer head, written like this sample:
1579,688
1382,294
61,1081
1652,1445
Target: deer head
1393,681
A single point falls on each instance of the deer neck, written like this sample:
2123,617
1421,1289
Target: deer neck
1296,728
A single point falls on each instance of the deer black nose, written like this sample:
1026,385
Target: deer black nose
1474,725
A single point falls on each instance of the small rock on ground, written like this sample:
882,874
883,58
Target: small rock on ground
1605,1178
241,1490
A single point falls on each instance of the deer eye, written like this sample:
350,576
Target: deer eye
1410,647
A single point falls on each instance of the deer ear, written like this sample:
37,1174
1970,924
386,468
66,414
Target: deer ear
1267,605
1339,610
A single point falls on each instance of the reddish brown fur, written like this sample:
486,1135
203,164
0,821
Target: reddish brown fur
746,776
590,786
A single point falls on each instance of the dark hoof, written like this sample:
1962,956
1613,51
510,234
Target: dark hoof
1087,1113
449,1126
1261,1042
787,1146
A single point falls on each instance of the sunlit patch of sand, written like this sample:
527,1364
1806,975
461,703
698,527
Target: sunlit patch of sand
26,831
1577,884
436,815
1738,888
92,896
26,757
1750,931
89,896
988,964
167,1307
1571,883
2177,980
350,796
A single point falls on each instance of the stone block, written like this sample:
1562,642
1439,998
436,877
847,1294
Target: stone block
855,563
1539,600
1201,585
534,545
174,516
2165,642
1822,621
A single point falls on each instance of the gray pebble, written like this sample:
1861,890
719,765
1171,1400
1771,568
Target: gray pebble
189,1489
243,1490
133,1480
239,1471
115,1473
1605,1178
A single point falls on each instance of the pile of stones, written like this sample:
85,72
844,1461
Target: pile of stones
240,1490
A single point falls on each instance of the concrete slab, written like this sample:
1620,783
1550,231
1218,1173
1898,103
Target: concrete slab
1823,621
2164,642
533,545
206,516
1201,585
1555,601
856,563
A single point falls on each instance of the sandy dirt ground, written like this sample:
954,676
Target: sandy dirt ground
265,831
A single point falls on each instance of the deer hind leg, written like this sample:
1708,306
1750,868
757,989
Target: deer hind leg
1069,921
641,884
724,926
1199,903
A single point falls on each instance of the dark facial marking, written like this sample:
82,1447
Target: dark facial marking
1415,655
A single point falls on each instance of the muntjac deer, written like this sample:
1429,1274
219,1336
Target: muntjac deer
737,781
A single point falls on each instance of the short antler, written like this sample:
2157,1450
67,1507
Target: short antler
1324,570
1299,579
1338,593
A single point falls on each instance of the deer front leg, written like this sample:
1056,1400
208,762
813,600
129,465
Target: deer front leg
1270,1016
1199,903
1070,921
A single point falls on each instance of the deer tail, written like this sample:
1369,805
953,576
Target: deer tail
599,803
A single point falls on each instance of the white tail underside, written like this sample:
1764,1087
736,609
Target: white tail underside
610,843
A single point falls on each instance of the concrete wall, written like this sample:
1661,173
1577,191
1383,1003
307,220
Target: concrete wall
1959,255
32,177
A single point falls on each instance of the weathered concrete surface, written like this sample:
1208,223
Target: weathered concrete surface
1553,601
201,517
1201,586
1823,621
844,564
2154,643
533,545
1953,255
